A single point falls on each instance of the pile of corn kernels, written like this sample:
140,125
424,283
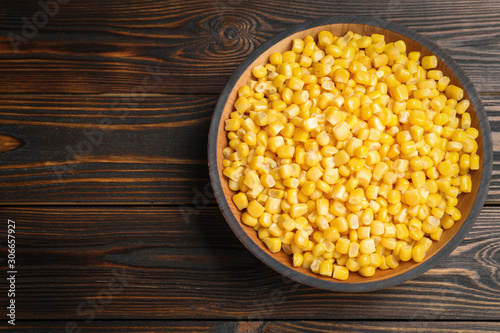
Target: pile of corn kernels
348,153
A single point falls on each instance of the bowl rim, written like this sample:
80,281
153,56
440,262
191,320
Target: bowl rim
334,285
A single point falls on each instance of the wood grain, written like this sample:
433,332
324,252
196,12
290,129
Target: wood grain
8,143
263,326
149,267
193,267
196,45
157,154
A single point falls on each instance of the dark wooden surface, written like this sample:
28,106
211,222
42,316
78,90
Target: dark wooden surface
126,237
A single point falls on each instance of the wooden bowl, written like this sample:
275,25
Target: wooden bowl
469,204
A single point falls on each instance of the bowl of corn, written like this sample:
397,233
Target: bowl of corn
350,153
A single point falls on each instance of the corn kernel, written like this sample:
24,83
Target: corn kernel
454,92
429,62
367,271
342,245
340,273
273,244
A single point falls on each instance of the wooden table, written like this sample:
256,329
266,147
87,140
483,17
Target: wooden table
108,104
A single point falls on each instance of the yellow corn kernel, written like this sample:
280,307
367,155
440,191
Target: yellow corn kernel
400,93
314,173
242,105
297,45
286,151
462,106
308,187
319,249
233,124
276,58
411,197
472,133
402,231
380,60
418,252
287,238
325,38
351,184
436,235
429,62
376,260
399,245
307,260
340,223
300,97
352,265
453,212
474,162
416,234
443,83
402,185
326,268
273,244
394,196
367,246
273,205
265,220
405,253
342,245
259,71
422,93
322,206
364,260
249,220
447,222
331,234
331,175
255,209
466,120
469,145
418,179
356,196
311,159
340,273
240,200
465,184
377,227
367,271
226,163
263,233
232,173
298,210
454,92
391,261
298,259
388,243
301,238
379,171
278,83
426,242
430,225
435,74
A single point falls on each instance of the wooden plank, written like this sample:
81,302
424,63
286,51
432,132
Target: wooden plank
260,326
90,149
113,263
195,45
156,154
